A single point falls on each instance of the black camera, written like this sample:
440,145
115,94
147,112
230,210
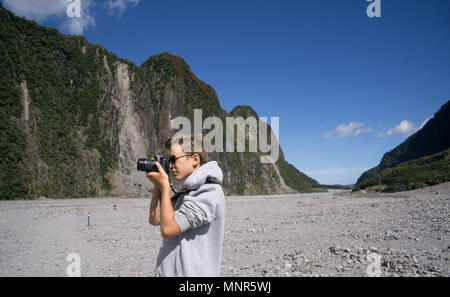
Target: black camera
149,165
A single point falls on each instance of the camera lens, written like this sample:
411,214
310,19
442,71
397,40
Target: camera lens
146,165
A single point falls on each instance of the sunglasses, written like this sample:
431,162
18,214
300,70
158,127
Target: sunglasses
173,158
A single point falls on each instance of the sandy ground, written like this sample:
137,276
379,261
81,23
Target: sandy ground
327,234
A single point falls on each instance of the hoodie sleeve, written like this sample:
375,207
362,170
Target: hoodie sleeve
198,208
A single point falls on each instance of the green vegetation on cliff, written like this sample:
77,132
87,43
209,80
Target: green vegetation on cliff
198,94
418,173
62,83
433,138
61,116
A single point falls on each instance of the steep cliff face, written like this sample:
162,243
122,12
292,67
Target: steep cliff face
76,118
433,138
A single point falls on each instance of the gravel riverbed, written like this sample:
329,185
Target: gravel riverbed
325,234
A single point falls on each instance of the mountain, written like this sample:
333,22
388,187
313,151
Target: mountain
75,118
417,173
432,139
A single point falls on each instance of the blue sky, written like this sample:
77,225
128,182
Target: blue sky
346,88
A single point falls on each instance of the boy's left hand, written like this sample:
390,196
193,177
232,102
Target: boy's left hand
160,179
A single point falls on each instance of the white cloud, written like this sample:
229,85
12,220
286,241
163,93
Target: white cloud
406,128
77,26
36,9
119,6
352,129
41,10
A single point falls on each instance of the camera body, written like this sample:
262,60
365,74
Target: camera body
149,165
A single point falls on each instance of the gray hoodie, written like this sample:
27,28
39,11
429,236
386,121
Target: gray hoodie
200,214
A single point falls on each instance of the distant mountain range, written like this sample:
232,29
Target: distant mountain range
421,160
75,118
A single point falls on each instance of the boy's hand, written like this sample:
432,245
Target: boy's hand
160,179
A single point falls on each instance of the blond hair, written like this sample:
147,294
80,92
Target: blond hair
187,143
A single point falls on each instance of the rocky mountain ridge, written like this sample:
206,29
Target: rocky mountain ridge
75,118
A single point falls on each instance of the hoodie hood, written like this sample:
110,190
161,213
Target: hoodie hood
209,170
